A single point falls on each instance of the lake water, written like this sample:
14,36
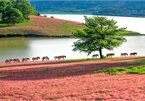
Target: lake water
31,47
132,23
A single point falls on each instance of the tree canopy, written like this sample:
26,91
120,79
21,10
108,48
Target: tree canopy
99,33
12,15
16,11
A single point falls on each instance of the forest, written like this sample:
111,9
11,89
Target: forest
95,7
15,11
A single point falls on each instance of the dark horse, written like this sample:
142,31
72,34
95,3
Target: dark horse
110,54
124,54
133,54
45,58
16,60
95,55
36,58
25,59
60,57
8,61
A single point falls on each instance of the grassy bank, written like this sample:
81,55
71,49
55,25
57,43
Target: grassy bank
40,26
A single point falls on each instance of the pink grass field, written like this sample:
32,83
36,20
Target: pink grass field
75,81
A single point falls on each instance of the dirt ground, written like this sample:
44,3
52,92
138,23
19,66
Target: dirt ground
64,81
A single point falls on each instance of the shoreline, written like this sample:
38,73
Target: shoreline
47,36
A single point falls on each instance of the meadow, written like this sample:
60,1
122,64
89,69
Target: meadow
110,79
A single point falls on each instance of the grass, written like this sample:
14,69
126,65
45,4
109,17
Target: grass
128,70
129,33
87,59
125,70
41,25
81,60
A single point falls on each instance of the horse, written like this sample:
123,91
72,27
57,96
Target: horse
25,59
124,54
59,57
36,58
45,58
133,54
110,54
16,60
95,55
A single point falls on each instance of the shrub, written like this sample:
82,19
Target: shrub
52,17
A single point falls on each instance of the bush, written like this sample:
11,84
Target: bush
45,15
52,17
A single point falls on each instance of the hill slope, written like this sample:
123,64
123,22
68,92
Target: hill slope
40,26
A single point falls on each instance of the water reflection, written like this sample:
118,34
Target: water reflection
31,47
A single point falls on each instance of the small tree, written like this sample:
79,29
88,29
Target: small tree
99,33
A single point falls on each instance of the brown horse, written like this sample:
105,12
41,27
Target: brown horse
36,58
95,55
60,57
25,59
124,54
16,60
45,58
110,54
133,54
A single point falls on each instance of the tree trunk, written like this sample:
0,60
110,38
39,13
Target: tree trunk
100,52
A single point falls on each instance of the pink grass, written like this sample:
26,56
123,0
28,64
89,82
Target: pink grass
68,82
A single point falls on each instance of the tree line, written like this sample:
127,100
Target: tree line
131,8
16,11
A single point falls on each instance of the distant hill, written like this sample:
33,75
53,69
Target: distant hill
40,26
131,8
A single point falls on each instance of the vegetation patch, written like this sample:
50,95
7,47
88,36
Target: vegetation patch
128,70
80,60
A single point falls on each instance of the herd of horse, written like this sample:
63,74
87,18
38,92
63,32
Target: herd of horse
45,58
112,54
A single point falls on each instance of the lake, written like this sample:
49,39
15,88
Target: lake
132,23
31,47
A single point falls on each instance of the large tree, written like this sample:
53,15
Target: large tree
10,9
25,7
12,15
99,33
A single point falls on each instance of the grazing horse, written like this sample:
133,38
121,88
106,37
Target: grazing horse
45,58
133,54
36,58
25,59
59,57
110,54
124,54
95,55
16,60
8,61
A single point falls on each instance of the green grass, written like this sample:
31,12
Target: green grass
129,33
68,27
125,70
128,70
24,24
81,60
